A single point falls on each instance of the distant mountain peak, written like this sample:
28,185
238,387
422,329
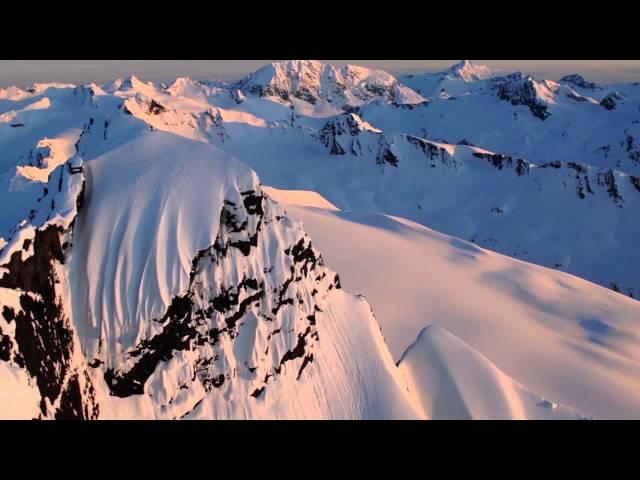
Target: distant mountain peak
185,86
520,89
314,82
131,81
278,72
297,64
127,83
469,71
579,81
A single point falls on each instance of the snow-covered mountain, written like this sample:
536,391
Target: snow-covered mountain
159,279
571,120
317,84
454,78
522,120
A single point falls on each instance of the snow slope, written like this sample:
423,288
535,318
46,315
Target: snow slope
568,340
454,382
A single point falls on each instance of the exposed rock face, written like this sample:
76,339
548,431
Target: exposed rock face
86,94
579,81
608,181
341,135
435,154
40,337
505,161
244,323
577,98
238,335
610,102
349,134
631,146
519,89
583,183
210,122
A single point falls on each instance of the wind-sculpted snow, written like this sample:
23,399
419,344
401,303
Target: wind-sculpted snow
147,217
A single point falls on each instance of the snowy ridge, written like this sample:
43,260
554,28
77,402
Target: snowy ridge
570,120
12,93
580,82
380,132
60,206
136,216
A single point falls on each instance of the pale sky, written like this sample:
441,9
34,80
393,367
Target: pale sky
26,72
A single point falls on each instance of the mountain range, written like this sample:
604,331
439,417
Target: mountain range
321,242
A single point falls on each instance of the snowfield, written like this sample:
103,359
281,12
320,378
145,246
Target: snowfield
573,342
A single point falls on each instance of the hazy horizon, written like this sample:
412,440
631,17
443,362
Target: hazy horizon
27,72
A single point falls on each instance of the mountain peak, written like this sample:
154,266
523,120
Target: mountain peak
289,69
12,93
316,82
469,71
185,86
579,81
126,83
134,82
297,64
